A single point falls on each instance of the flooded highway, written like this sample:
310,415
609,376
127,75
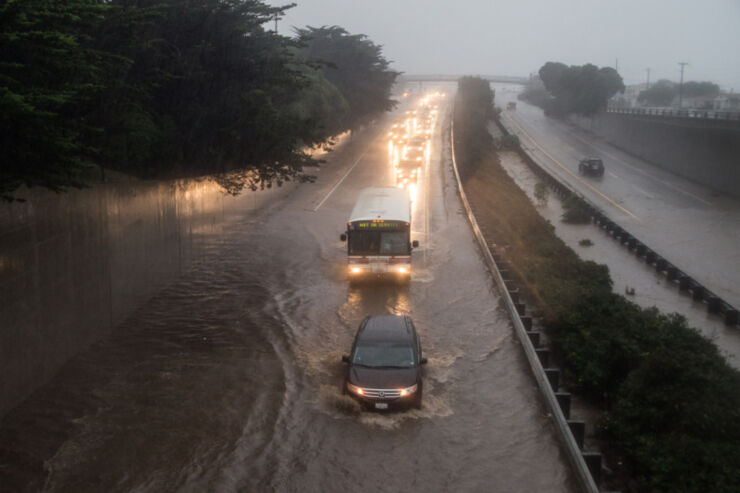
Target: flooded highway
229,379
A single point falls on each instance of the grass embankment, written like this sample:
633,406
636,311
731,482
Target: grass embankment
671,402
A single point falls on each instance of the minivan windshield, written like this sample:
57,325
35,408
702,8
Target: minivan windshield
383,355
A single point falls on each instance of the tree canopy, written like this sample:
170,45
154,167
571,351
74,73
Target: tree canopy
165,88
47,78
659,94
663,92
355,66
705,88
582,89
474,108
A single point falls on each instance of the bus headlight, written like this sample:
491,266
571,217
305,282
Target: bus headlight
355,270
402,270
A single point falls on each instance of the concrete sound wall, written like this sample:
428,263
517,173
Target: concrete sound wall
74,265
704,151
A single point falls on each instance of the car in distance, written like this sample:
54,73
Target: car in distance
511,105
384,369
407,171
591,166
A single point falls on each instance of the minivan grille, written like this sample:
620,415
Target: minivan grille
382,393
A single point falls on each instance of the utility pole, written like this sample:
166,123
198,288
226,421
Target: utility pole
616,64
276,21
648,78
680,87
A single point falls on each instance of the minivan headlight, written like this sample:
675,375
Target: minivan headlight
409,390
355,389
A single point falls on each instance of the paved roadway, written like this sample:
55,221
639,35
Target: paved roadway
690,225
228,380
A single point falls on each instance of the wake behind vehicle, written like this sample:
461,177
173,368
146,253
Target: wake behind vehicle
591,166
378,234
384,367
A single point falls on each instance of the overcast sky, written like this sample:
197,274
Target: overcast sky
515,37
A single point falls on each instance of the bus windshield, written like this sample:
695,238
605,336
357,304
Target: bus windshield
378,243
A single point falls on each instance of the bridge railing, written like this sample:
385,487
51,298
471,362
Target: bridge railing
512,79
690,113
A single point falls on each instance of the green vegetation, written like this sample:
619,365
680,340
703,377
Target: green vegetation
671,402
475,98
581,89
660,94
356,67
541,193
663,92
165,88
507,142
573,213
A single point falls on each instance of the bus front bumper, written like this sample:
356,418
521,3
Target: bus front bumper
396,269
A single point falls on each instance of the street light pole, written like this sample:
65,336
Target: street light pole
680,87
648,78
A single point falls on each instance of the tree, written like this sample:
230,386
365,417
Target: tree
166,88
578,89
473,110
355,65
47,79
552,75
706,88
660,94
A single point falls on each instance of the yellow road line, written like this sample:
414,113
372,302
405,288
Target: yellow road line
595,190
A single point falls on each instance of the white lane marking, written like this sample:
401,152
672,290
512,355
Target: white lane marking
342,179
635,168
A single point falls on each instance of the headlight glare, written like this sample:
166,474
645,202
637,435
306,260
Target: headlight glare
355,389
409,390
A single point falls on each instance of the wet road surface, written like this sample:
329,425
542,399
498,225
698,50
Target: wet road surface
688,224
229,379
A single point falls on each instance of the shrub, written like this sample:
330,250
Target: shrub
574,212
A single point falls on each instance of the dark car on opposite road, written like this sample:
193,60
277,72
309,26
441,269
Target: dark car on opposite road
591,166
385,366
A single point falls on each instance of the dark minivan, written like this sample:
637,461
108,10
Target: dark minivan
384,368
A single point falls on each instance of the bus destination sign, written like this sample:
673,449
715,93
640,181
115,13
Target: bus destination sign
377,224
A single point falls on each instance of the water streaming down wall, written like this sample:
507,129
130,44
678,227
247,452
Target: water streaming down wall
703,150
74,265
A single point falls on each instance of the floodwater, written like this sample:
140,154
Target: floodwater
229,378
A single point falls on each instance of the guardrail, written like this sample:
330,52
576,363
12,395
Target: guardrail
547,378
691,113
511,79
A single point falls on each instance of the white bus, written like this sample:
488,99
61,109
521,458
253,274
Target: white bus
378,234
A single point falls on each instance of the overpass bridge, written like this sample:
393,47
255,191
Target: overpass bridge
509,79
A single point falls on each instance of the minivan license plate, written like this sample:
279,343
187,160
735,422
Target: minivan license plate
381,405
